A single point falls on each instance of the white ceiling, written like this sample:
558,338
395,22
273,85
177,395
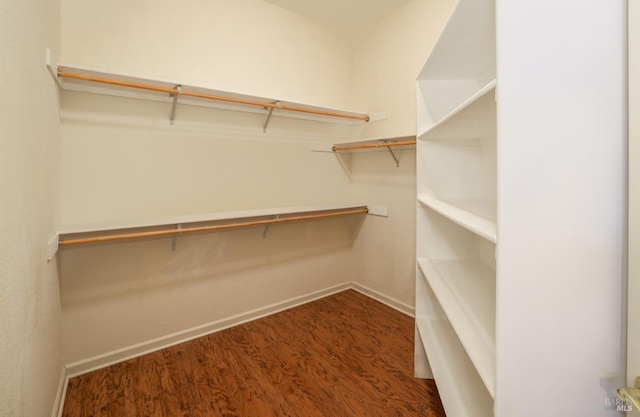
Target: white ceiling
347,16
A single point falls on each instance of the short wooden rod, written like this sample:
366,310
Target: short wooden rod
373,145
156,233
65,74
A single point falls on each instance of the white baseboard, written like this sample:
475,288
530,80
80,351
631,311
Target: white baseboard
130,352
58,404
384,299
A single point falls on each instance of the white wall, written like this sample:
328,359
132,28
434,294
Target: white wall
123,299
386,63
121,160
561,206
243,46
633,317
30,333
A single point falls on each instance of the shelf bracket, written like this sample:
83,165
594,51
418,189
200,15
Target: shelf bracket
266,227
266,122
175,103
174,241
393,155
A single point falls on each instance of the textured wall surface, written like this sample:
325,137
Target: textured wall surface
30,329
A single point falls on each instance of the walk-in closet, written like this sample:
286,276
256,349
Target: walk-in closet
291,207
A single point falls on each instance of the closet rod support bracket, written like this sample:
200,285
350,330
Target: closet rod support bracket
174,241
266,122
266,227
172,117
393,155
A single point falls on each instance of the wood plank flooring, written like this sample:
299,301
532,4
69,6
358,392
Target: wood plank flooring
345,355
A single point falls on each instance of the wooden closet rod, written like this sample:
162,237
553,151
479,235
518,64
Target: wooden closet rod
373,145
154,233
175,91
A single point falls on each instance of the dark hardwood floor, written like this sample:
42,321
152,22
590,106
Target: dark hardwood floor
341,356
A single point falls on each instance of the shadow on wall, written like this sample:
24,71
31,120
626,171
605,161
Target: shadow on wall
203,117
379,167
94,272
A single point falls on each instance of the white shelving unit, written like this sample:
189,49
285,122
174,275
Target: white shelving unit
456,218
459,385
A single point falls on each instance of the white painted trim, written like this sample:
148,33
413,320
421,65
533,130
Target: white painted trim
58,404
378,210
52,246
376,117
384,299
322,147
129,352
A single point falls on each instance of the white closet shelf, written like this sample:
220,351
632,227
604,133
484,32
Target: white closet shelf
465,290
459,385
479,224
103,232
471,116
100,82
474,118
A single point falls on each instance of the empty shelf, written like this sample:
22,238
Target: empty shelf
459,385
466,290
471,221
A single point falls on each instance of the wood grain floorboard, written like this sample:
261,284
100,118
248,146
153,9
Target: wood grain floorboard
345,355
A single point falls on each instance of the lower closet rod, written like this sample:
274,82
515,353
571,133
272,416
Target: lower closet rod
153,233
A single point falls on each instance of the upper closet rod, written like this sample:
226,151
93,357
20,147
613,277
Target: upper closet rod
339,148
181,230
276,105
